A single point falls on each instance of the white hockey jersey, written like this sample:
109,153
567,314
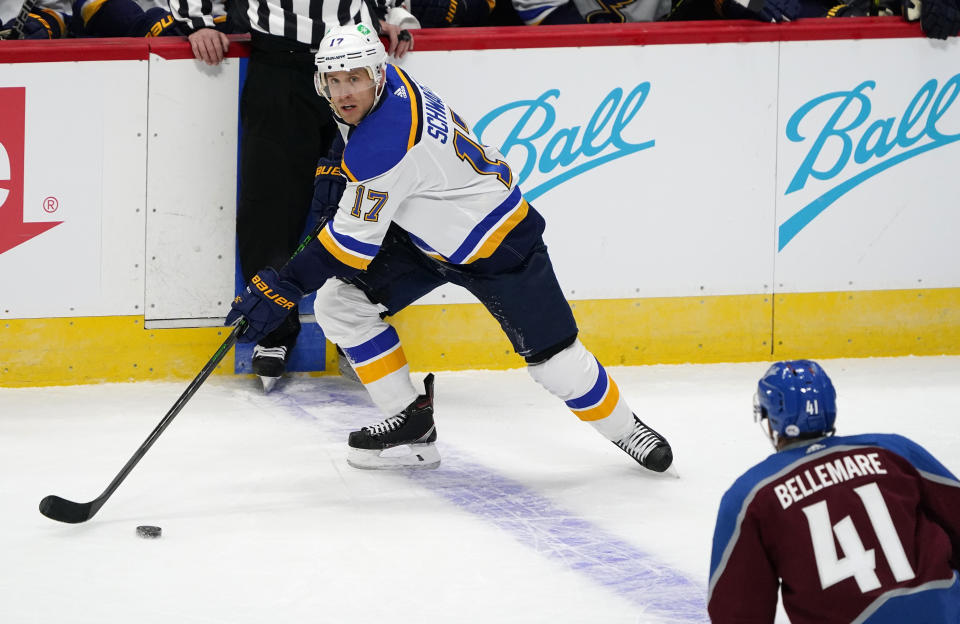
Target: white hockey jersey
415,162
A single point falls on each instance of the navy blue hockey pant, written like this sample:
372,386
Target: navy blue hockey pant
526,299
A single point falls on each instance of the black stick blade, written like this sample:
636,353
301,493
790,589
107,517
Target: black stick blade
62,510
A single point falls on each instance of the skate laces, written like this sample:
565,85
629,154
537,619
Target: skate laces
270,352
640,442
384,426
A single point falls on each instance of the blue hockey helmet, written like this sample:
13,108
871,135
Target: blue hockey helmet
798,400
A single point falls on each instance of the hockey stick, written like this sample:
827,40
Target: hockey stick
25,10
63,510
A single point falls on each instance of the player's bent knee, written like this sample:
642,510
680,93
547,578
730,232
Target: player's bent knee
546,354
343,310
568,373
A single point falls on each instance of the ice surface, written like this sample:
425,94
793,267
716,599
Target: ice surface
532,516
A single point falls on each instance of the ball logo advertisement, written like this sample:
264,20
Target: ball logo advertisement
13,230
631,167
536,146
848,141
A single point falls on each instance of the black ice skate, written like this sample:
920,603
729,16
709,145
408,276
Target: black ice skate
649,448
269,363
272,352
372,447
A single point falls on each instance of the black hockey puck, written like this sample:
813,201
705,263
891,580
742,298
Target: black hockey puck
148,532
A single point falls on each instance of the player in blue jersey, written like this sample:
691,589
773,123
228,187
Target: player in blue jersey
862,528
426,204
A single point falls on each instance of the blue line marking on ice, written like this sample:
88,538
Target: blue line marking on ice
663,593
562,536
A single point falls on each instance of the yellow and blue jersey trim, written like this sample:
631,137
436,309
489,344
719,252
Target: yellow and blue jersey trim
89,9
388,132
377,357
457,119
487,235
598,402
346,249
50,18
423,246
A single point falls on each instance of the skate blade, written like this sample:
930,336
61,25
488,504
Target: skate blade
268,383
346,371
416,457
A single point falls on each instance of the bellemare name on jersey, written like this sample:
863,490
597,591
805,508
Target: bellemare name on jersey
826,474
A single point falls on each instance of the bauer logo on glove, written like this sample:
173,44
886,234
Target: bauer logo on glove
333,170
266,286
268,293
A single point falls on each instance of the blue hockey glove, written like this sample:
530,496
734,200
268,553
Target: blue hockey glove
156,22
42,24
328,187
265,303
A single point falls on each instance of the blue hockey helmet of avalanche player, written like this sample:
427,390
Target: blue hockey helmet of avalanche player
797,399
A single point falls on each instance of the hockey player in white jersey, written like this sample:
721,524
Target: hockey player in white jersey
426,204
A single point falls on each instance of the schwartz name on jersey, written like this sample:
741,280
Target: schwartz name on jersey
414,162
893,510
